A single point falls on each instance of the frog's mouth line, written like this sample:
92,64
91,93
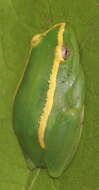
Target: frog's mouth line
52,81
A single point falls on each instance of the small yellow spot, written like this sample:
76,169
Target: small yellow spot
52,85
36,40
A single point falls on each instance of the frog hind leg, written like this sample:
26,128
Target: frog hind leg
62,141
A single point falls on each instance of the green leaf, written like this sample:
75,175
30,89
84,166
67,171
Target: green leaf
19,21
39,179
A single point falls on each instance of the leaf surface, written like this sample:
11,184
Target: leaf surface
19,21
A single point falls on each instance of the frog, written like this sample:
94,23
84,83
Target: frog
48,108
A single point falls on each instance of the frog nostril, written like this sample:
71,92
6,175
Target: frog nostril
65,52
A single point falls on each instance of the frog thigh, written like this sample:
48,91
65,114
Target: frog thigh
62,140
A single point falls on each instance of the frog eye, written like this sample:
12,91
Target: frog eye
65,52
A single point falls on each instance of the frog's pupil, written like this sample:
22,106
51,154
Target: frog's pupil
65,52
